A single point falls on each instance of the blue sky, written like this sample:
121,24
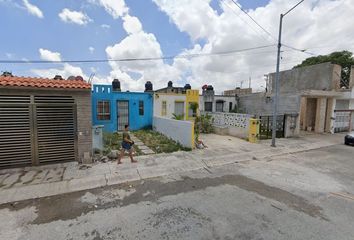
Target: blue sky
67,29
29,33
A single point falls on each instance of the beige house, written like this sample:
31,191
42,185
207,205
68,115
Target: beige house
44,121
307,100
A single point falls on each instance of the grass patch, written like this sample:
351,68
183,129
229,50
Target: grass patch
159,143
113,141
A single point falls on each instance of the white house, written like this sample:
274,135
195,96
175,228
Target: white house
209,102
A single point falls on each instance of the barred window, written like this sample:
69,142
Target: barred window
164,108
141,108
103,110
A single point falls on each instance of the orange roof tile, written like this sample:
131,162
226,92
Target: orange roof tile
14,81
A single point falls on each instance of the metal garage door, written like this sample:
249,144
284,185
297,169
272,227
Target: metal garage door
15,131
36,130
55,124
342,121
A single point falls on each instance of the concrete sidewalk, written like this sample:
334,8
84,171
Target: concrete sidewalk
33,182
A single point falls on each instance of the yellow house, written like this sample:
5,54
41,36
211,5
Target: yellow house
192,97
176,101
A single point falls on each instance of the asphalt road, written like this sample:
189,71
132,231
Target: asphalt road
308,195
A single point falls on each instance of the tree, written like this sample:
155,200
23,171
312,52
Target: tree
344,59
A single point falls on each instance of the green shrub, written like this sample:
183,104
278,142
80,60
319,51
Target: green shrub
203,124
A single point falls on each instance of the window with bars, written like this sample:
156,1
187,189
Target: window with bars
141,108
179,108
208,106
219,106
103,110
164,108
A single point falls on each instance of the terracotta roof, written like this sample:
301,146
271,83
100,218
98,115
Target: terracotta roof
14,81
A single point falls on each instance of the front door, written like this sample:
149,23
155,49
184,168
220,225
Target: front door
122,114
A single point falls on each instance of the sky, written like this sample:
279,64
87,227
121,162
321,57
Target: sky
121,29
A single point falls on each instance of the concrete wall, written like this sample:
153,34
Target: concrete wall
84,123
136,121
324,76
180,131
292,126
170,101
259,104
233,124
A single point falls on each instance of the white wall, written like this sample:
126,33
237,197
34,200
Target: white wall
234,124
227,100
170,101
180,131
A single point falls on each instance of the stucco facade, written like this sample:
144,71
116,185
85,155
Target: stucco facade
209,102
138,113
168,104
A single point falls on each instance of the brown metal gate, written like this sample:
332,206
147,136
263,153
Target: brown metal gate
37,130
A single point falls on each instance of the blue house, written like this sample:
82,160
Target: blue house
114,109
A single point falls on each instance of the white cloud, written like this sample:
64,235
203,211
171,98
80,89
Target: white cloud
65,71
116,8
131,24
48,55
70,16
232,29
9,55
105,26
139,44
94,69
91,49
228,29
32,9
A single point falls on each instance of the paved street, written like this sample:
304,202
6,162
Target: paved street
306,195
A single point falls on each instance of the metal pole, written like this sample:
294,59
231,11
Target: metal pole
276,85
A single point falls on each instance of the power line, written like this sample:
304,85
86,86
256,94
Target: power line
226,4
300,50
140,59
267,32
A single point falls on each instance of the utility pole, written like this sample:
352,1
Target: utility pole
276,83
249,83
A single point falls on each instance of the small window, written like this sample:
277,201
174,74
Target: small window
141,108
219,107
103,110
179,109
164,108
208,106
